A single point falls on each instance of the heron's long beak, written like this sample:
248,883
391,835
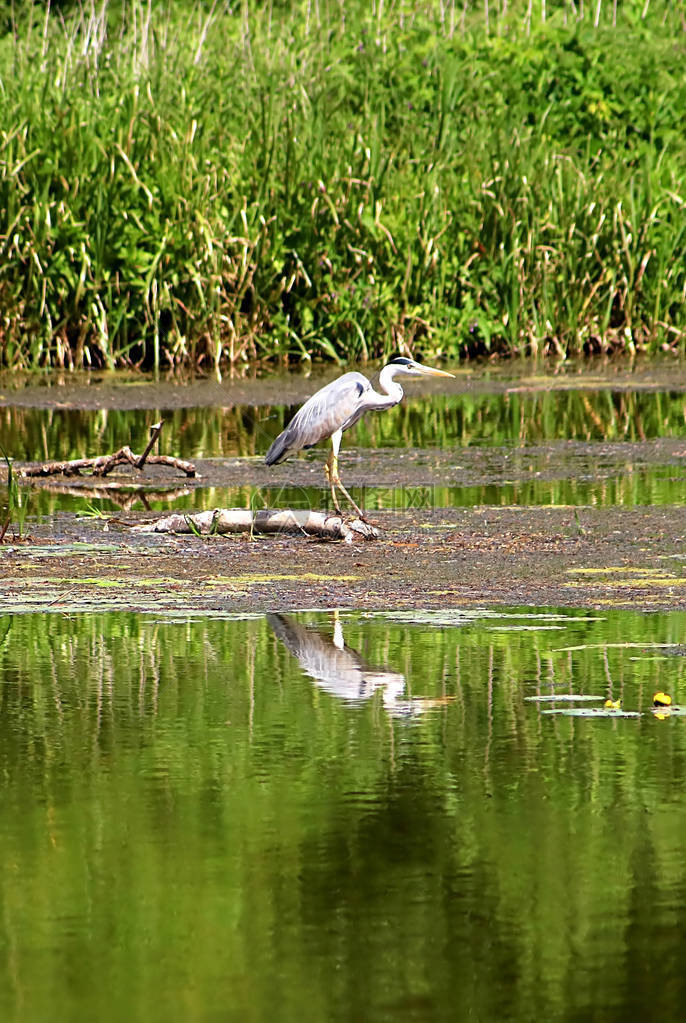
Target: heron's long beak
430,372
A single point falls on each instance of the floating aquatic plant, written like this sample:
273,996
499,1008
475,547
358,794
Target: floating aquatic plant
564,698
592,712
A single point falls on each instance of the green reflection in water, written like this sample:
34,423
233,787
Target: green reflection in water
449,423
440,421
292,817
657,485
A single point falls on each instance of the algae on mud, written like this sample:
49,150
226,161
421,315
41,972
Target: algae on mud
495,506
436,559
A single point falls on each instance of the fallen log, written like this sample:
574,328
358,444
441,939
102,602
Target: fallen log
241,520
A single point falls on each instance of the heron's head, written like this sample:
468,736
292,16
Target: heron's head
414,369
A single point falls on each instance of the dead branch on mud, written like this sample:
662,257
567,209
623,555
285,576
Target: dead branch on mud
104,464
242,520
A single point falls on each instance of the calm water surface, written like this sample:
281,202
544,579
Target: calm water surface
314,816
438,420
449,423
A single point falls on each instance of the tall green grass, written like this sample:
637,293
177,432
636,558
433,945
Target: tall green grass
14,509
201,183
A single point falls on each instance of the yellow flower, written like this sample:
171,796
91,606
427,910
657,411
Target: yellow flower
662,700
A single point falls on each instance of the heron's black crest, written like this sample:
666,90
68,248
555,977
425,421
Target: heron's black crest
400,361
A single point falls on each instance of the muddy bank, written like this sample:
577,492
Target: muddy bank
432,553
617,557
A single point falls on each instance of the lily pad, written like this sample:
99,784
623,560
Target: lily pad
669,712
563,697
592,712
447,618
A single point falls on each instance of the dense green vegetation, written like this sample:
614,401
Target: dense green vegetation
205,183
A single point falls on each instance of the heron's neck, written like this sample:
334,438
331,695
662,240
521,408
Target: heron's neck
389,387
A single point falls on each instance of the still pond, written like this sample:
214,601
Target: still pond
501,447
344,816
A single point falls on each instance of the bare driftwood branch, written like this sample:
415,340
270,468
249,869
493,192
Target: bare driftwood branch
154,434
104,464
242,520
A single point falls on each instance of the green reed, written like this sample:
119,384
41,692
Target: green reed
195,185
14,509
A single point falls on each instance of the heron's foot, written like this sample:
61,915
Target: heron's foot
362,528
353,515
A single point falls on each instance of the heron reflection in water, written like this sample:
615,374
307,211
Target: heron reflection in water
338,406
343,672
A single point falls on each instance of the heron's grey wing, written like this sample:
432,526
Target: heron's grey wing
336,406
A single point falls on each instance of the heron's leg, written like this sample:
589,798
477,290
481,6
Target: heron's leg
357,508
331,468
334,478
328,470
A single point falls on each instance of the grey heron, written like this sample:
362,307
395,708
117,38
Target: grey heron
338,406
335,667
341,671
